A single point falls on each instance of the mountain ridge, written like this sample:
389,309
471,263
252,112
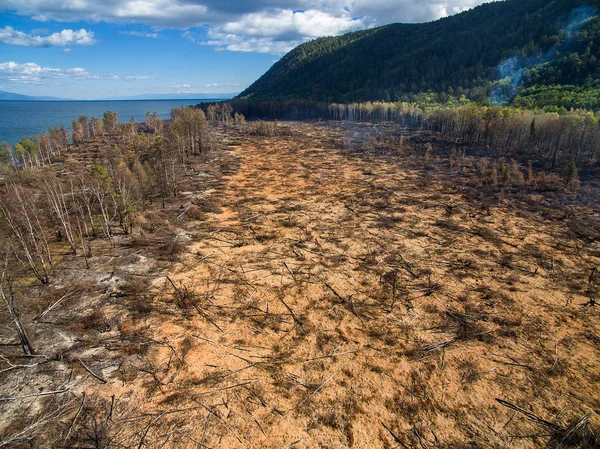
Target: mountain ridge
11,96
192,96
451,57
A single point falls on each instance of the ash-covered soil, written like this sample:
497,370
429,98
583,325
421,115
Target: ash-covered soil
331,286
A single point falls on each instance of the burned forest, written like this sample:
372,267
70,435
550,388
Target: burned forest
420,282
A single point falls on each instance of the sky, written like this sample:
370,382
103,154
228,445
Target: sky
97,49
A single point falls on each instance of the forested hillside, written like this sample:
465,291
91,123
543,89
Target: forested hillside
541,52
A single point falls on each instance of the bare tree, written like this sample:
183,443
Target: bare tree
56,199
77,135
97,129
59,137
7,293
101,186
23,219
189,130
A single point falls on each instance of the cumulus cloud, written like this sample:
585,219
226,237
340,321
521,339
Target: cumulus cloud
190,13
265,26
32,73
9,35
158,13
289,24
386,11
279,31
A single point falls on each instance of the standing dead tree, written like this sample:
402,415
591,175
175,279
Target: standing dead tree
101,186
56,199
7,294
23,219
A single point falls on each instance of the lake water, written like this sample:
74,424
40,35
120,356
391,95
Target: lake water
28,118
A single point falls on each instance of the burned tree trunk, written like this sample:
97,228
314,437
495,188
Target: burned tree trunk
8,297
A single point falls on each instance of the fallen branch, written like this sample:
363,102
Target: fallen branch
575,427
11,366
394,436
328,356
74,420
227,426
290,271
436,346
348,302
33,395
152,421
296,319
531,416
172,283
92,373
56,303
254,217
22,435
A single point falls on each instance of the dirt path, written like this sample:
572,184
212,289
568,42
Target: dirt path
331,300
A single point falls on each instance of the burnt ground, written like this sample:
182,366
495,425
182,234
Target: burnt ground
326,286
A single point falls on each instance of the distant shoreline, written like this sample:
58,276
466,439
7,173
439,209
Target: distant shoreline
21,118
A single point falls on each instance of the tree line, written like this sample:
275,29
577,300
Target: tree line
550,137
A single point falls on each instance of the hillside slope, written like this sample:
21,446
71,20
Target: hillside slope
484,54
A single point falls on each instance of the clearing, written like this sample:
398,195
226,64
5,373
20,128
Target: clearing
340,286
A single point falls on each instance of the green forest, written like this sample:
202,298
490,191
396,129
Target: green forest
533,53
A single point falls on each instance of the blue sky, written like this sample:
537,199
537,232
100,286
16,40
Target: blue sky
94,49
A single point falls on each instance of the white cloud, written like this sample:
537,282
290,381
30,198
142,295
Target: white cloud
213,85
9,35
291,24
386,11
265,26
32,73
137,77
140,34
279,31
184,14
187,34
235,42
158,13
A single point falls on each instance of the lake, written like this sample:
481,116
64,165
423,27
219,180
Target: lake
29,118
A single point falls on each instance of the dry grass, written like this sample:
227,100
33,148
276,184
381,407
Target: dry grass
336,290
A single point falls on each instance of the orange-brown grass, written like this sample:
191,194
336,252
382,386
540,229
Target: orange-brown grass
334,291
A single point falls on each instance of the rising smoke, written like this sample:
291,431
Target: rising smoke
510,71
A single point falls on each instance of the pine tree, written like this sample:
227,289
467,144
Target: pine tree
571,175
